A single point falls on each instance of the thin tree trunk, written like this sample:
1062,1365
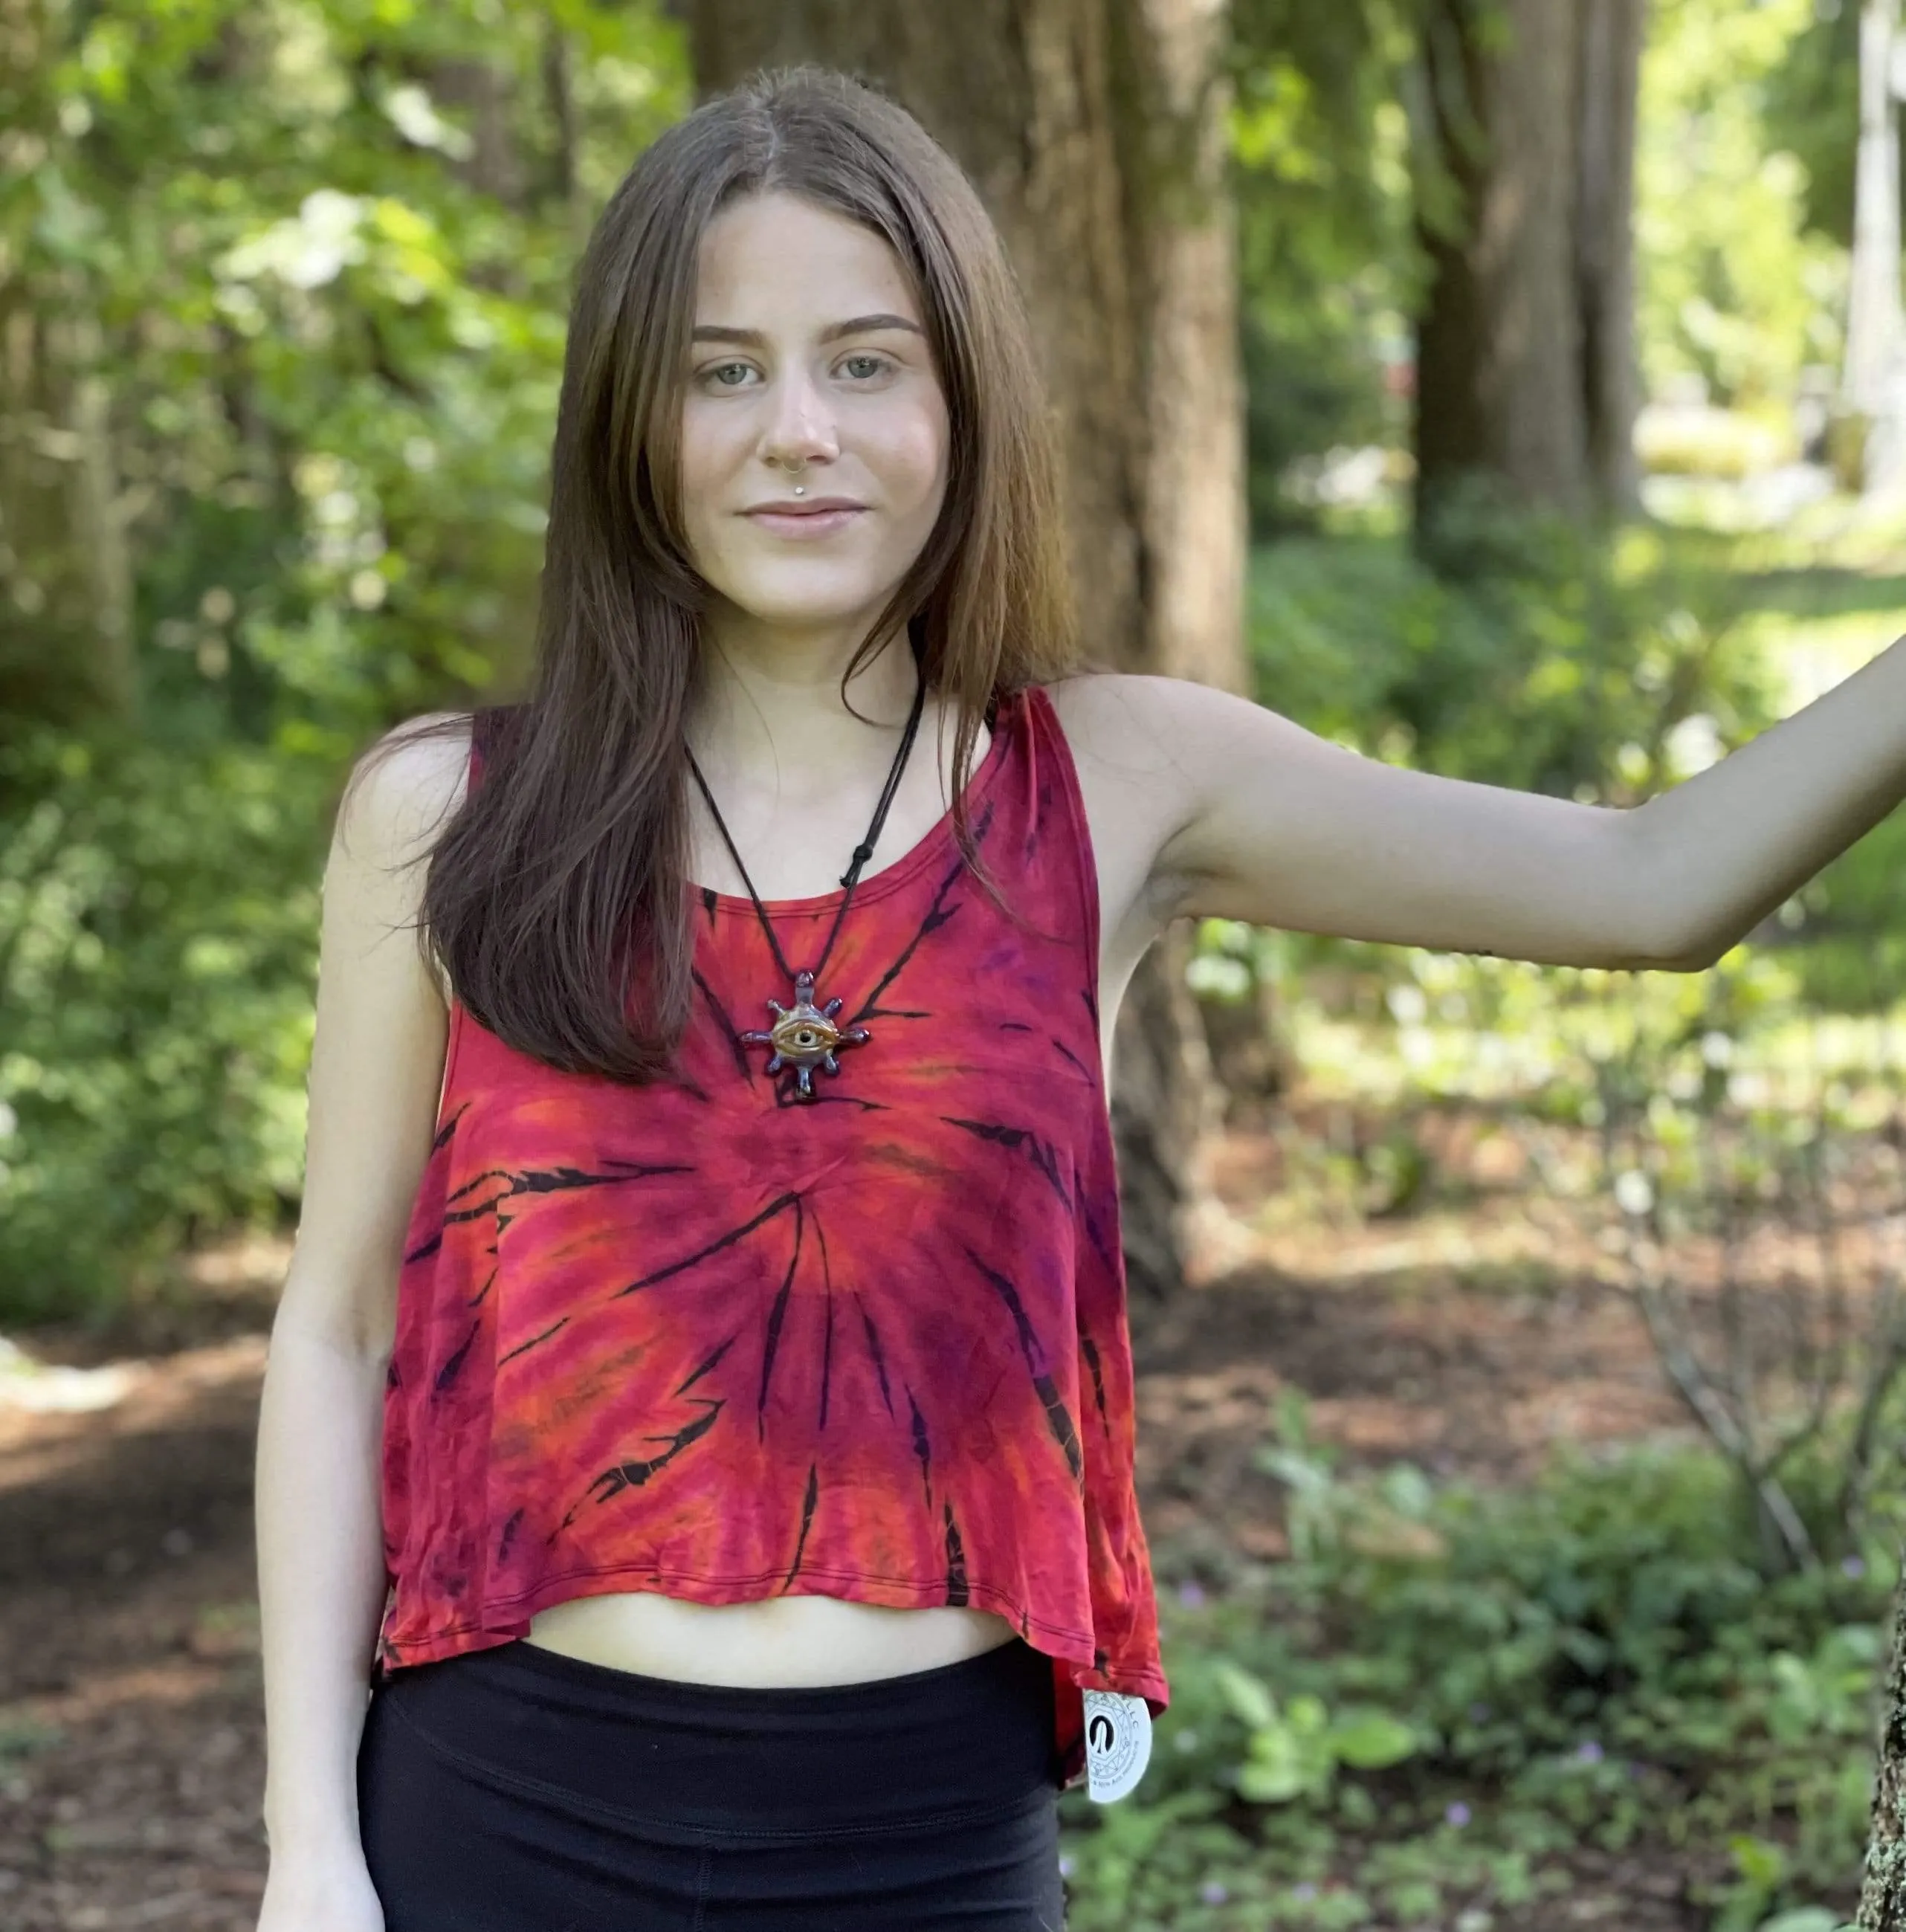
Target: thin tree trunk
67,646
1183,233
1094,131
1874,375
1181,240
1499,347
1609,88
559,100
482,90
1526,125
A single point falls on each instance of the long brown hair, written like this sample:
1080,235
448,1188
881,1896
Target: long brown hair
556,898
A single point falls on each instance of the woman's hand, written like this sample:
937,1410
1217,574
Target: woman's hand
313,1894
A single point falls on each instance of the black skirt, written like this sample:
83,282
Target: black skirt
513,1789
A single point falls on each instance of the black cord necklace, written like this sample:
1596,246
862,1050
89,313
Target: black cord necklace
804,1035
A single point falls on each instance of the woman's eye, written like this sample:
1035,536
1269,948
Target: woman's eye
721,369
877,365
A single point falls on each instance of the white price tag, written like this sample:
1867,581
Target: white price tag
1117,1743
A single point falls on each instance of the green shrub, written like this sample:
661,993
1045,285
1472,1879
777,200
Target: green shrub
1511,650
1597,1658
158,919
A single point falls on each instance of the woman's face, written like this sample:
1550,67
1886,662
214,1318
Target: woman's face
809,365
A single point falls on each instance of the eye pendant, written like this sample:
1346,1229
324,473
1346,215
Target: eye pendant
804,1036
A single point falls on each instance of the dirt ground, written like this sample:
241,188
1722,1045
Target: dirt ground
1469,1338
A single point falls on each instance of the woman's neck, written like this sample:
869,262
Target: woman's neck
777,705
796,774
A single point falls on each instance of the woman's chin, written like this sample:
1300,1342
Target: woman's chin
814,612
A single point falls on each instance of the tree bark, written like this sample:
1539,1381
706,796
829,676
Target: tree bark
1094,131
1526,359
67,645
1874,378
1883,1894
482,90
1610,89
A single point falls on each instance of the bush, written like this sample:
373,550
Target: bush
158,928
1597,1659
1511,650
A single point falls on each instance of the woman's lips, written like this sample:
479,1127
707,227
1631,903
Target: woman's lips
803,523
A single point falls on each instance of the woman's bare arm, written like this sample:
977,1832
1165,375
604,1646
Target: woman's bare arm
376,1073
1242,814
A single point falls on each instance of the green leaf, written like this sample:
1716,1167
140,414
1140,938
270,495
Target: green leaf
1249,1696
1308,1717
1278,1770
1760,1862
1371,1739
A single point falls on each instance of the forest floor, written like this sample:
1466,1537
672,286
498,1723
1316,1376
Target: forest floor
1468,1337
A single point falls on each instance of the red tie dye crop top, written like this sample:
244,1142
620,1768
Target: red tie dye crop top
701,1338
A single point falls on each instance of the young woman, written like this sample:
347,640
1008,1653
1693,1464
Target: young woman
707,1312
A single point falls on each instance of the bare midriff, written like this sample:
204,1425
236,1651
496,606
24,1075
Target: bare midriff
784,1641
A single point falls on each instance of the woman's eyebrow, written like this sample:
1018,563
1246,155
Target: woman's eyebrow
753,338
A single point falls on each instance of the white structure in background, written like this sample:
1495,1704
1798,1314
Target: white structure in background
1873,392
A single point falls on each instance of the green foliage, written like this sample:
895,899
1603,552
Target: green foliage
157,929
1523,653
1813,112
1597,1659
1732,289
1326,261
1855,958
310,258
1294,1750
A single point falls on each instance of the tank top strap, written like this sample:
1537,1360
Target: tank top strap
1057,805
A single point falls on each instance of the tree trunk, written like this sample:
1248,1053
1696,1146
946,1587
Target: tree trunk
1882,1895
1526,151
481,91
1875,374
1609,88
1094,131
67,646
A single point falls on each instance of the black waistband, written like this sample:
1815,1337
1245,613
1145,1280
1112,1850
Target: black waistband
967,1736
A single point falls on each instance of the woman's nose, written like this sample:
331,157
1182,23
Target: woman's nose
801,426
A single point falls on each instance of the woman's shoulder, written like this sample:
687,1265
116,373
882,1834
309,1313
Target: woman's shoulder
1126,719
1142,747
401,792
408,784
411,776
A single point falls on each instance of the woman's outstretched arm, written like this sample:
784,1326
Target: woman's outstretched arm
1246,815
376,1066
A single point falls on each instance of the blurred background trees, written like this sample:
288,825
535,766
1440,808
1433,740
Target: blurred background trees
281,299
1490,385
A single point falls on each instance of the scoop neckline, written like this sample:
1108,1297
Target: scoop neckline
874,885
